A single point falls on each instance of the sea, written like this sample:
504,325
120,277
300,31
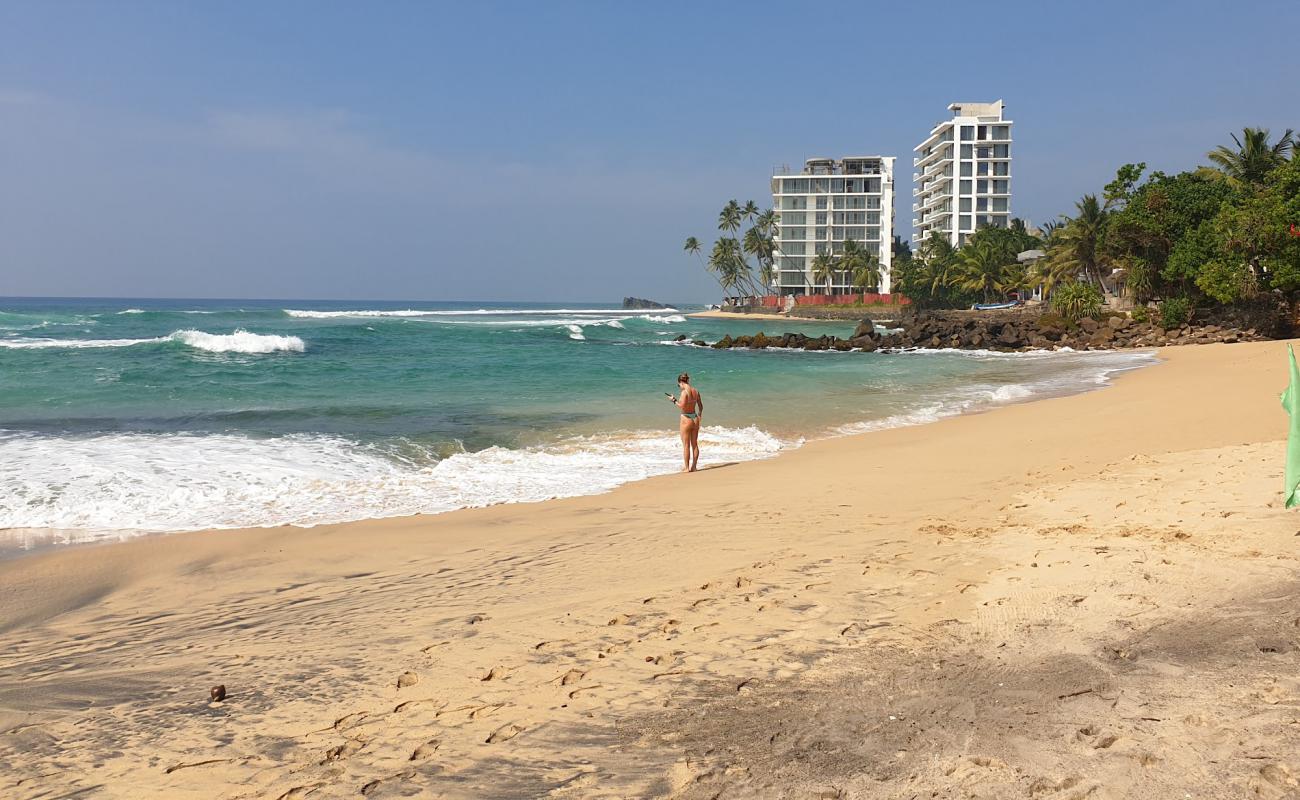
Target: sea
123,417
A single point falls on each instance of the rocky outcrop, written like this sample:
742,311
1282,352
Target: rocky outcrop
1010,331
641,304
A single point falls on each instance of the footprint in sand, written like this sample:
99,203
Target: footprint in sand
343,751
407,679
495,674
505,733
426,750
621,619
572,677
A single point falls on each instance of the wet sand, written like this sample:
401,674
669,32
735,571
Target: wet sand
1089,596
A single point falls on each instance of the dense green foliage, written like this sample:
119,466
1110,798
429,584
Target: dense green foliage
1074,301
1174,312
729,259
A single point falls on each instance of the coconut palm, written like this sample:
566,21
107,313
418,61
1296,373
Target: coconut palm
730,218
823,268
750,210
692,245
762,248
866,275
859,265
981,269
1253,157
1077,240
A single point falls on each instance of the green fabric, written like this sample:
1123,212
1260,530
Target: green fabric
1291,402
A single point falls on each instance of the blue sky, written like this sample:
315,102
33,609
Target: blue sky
551,151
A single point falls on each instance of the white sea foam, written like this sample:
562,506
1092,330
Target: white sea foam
411,312
575,332
166,482
132,311
241,341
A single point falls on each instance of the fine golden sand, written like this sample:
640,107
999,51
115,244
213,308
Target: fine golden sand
1084,597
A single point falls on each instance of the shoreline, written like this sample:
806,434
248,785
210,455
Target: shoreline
11,548
570,646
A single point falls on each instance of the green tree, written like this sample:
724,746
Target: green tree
823,269
1079,238
861,266
1253,158
982,268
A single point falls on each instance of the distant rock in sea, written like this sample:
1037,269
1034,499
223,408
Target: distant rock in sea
640,303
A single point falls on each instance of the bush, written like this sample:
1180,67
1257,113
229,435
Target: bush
1174,312
1074,301
1141,314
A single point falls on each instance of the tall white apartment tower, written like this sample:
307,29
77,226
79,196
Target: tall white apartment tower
826,204
963,174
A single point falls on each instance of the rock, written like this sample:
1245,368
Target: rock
680,338
407,679
217,693
641,303
699,343
1118,323
759,342
866,344
741,341
865,328
1010,337
723,343
1088,325
842,345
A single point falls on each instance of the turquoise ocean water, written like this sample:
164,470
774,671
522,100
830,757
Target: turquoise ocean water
125,416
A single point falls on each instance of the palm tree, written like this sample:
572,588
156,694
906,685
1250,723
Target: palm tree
730,218
981,268
1253,157
859,265
823,267
761,248
692,245
1079,237
750,210
866,275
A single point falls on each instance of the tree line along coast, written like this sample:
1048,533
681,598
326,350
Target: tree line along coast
1211,253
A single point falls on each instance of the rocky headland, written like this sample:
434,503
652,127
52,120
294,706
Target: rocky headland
1028,329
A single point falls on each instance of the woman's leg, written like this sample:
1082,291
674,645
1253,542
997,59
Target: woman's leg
685,428
695,444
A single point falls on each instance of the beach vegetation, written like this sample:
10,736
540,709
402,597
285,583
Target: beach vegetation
1174,312
746,232
1077,300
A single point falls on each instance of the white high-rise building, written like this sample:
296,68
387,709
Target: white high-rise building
826,204
963,174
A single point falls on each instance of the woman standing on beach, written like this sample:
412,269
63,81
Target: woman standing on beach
692,407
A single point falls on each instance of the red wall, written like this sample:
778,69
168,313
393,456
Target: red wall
868,298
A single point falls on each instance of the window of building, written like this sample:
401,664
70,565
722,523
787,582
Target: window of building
821,218
1001,132
837,184
965,204
999,204
1000,187
982,168
966,222
1002,168
967,150
967,133
984,152
821,202
982,204
982,187
793,218
1001,151
965,187
966,167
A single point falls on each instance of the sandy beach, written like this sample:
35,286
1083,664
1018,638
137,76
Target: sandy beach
1088,596
715,314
